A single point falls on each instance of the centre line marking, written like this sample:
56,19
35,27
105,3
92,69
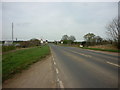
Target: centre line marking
82,54
57,71
113,64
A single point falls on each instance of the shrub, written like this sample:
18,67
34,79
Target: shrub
30,43
25,44
8,48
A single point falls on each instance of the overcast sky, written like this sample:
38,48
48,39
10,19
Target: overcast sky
52,20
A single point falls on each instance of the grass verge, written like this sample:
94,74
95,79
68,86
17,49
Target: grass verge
14,62
99,49
66,45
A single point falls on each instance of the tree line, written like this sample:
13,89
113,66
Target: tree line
112,30
68,39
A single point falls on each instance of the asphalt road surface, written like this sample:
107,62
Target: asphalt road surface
80,68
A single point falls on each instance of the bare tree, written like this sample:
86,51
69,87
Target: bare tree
113,30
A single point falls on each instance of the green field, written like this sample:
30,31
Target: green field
14,62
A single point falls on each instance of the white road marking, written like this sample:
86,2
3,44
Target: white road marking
54,63
61,84
113,64
52,53
82,54
57,71
58,80
53,59
88,56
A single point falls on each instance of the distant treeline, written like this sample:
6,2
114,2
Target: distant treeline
90,39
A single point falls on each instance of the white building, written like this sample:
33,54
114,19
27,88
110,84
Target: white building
41,41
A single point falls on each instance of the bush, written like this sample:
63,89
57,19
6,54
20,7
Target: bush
67,41
30,43
25,44
8,48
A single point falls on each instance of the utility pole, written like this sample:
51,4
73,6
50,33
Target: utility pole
12,32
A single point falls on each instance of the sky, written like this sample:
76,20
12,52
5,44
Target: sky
52,20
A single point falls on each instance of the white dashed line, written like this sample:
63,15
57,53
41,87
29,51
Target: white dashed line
87,55
53,59
54,63
82,54
113,64
58,80
61,84
57,71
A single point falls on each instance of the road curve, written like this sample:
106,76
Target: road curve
80,68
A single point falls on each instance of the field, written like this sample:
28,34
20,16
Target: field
13,62
108,47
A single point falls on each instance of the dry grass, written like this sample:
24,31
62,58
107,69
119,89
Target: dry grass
108,46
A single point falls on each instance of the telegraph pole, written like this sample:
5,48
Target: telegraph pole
12,32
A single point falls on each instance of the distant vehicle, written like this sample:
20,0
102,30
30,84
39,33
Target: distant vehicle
81,45
17,45
61,42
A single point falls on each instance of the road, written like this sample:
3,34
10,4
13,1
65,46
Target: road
69,67
78,68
